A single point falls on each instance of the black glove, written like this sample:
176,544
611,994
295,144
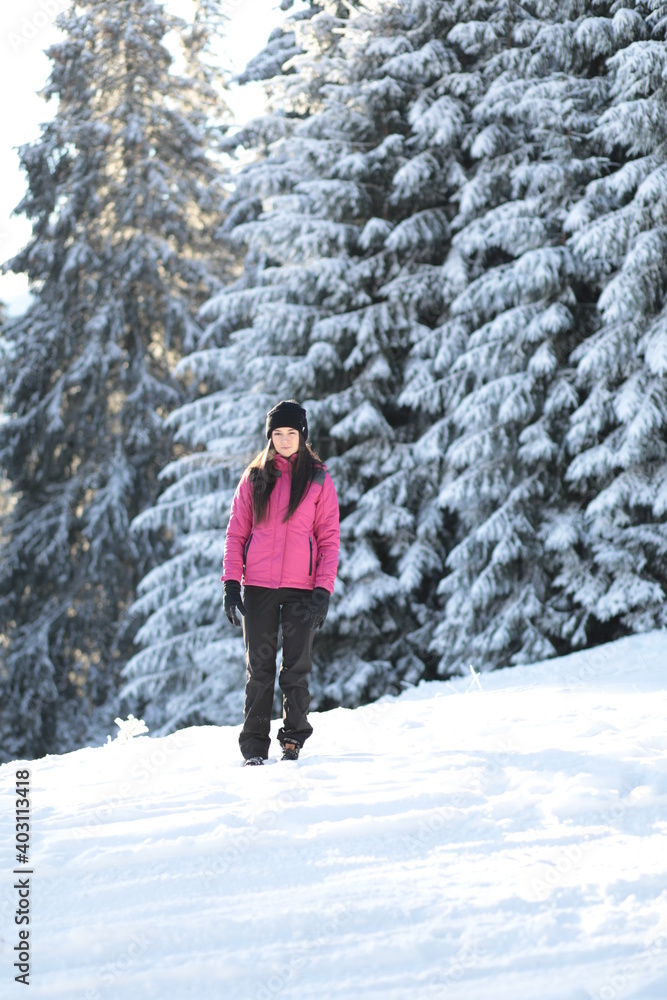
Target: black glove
231,591
318,608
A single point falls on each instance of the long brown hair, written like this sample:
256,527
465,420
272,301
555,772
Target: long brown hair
263,477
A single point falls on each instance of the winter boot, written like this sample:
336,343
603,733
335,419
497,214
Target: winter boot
291,749
253,761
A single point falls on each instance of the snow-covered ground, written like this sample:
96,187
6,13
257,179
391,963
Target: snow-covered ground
506,843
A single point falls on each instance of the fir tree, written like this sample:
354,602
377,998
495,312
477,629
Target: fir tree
328,229
191,669
501,365
125,200
417,275
615,572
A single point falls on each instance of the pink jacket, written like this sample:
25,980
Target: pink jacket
301,552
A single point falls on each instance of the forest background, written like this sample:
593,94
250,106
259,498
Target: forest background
445,236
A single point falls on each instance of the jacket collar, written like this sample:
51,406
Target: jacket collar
284,463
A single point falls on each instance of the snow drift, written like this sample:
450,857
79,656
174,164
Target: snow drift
500,836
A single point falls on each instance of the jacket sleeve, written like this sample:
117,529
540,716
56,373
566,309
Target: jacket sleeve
327,535
238,531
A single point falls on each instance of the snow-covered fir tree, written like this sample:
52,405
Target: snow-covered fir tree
125,200
328,230
614,572
498,371
418,275
191,668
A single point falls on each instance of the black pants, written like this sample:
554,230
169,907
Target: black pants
265,608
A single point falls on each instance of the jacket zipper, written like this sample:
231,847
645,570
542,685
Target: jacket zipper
310,564
247,546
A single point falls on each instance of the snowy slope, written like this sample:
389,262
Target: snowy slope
504,843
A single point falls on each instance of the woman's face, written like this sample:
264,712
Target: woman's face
285,441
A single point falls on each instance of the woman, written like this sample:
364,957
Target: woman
282,544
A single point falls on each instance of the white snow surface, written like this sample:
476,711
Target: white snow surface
506,843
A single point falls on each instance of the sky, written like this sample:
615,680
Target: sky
26,30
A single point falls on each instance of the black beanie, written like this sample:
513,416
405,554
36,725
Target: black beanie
287,413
